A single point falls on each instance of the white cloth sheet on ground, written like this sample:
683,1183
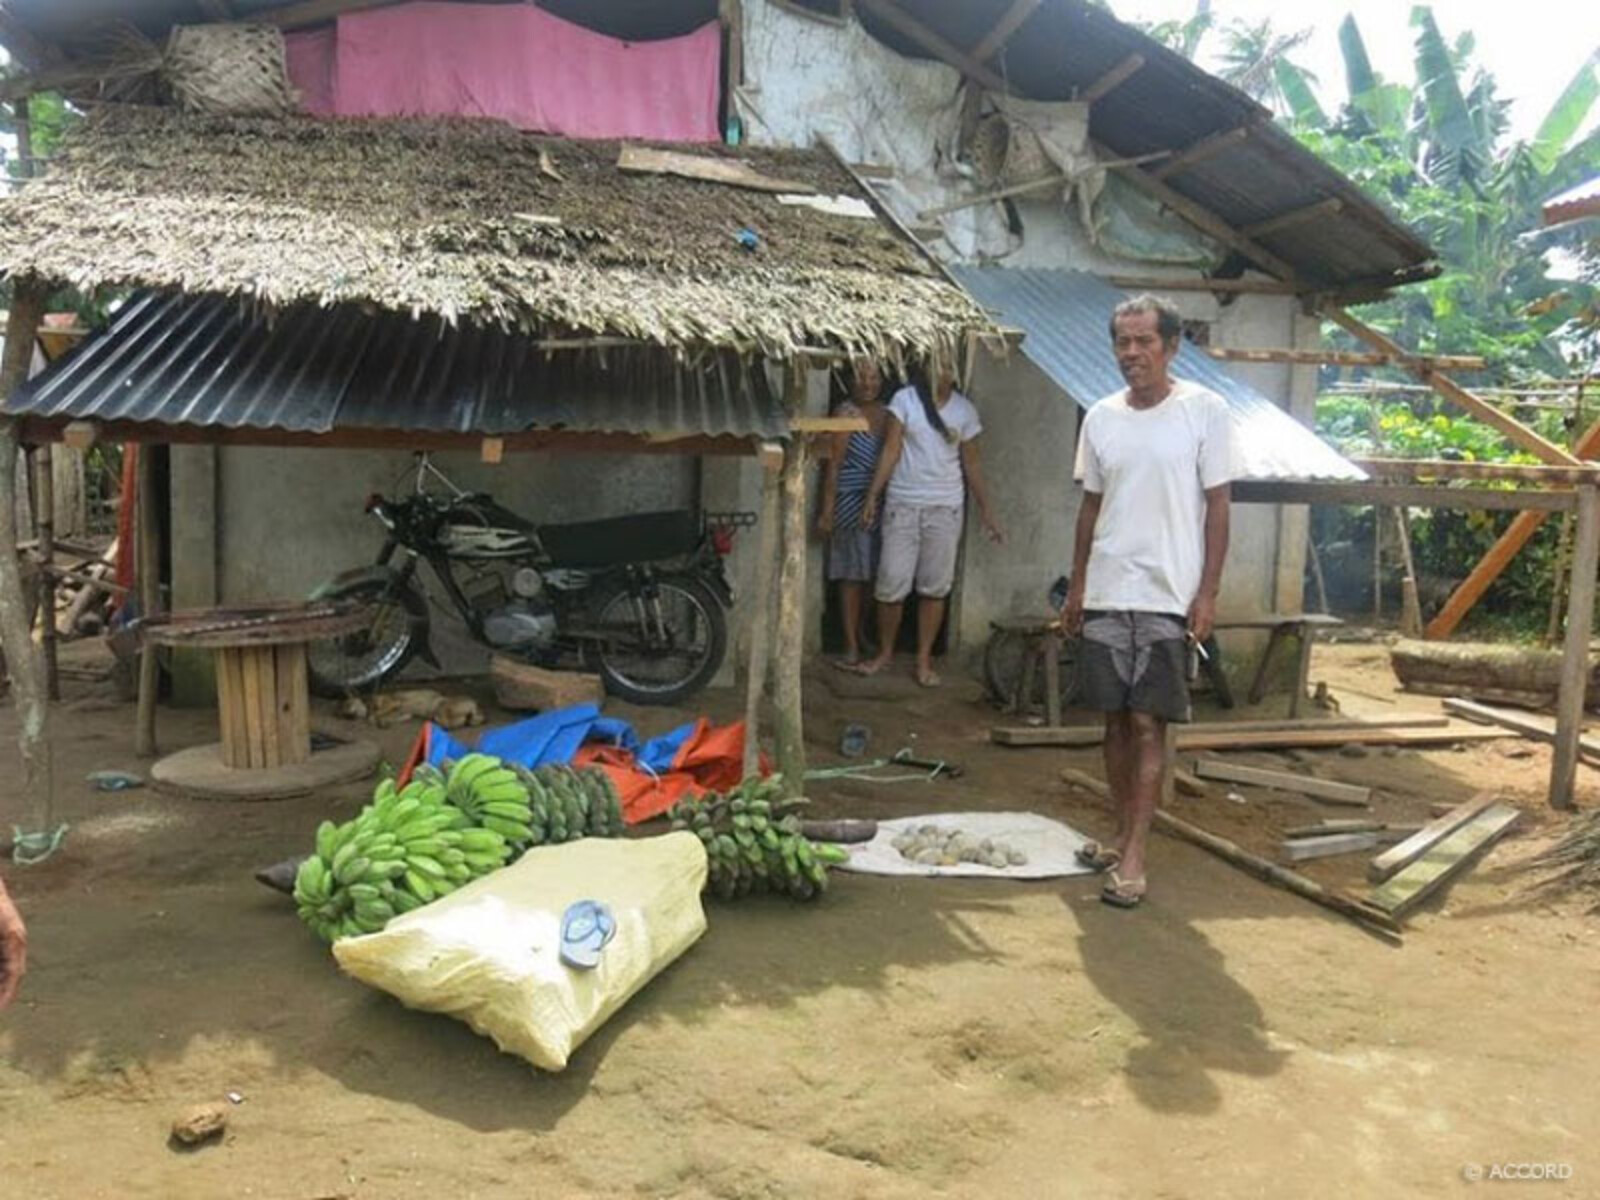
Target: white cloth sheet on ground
1051,847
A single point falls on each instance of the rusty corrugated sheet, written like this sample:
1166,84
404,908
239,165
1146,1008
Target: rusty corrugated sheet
1066,314
209,362
1574,204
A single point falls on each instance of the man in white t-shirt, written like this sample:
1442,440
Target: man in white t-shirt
1155,462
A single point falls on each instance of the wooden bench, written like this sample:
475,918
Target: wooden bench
1303,626
1041,641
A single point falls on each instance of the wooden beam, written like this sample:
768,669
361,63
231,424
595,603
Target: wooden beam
148,549
1225,735
1575,651
1495,560
22,658
758,667
44,523
789,635
1284,781
898,19
1330,207
828,425
1205,220
1442,862
1338,358
1310,491
1112,79
1156,283
1434,468
35,430
1327,844
1528,726
1397,857
1061,179
646,160
1000,34
314,12
1206,147
1518,433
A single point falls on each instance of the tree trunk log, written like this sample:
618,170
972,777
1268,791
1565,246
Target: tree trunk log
1474,668
16,612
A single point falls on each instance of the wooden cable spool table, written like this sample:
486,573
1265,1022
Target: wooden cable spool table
263,700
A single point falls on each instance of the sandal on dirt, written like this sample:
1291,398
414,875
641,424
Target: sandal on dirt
1097,857
1122,893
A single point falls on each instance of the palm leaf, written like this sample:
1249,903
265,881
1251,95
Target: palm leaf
1359,76
1456,147
1294,83
1569,113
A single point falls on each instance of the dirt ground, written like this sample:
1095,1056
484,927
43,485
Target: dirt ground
901,1038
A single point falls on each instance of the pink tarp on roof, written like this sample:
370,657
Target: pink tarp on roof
515,62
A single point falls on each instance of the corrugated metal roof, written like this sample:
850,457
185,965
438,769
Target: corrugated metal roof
1066,314
1170,104
1574,203
210,362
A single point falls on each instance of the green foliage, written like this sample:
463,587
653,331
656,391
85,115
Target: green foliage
1445,543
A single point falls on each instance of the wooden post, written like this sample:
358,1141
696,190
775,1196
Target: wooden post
1316,570
16,632
149,549
1410,606
789,658
1575,654
44,524
1558,597
771,460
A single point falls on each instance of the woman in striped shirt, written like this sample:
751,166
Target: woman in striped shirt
852,547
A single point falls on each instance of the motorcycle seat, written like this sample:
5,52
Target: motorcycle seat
643,537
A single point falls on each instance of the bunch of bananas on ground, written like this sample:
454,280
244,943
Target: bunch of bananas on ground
446,827
547,806
407,847
754,843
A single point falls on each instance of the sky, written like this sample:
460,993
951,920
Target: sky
1532,47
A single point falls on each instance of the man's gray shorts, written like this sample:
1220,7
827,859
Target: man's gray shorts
1134,662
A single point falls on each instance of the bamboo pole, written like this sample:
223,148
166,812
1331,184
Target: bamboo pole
149,551
1231,852
1575,653
16,634
1271,872
789,659
758,669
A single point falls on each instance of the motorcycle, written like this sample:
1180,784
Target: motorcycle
641,600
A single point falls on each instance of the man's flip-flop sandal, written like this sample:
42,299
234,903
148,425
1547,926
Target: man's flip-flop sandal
1122,893
1098,857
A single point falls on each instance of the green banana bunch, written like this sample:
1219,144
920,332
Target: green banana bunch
754,845
407,847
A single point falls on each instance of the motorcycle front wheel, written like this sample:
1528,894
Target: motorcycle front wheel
660,651
364,659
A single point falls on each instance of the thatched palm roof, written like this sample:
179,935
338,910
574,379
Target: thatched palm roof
473,221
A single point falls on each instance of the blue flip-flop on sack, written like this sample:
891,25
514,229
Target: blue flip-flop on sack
586,927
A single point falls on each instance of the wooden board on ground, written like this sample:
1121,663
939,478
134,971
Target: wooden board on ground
1335,825
645,160
1371,736
1443,861
1526,724
523,687
1093,735
1283,781
1299,849
1188,784
1392,860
